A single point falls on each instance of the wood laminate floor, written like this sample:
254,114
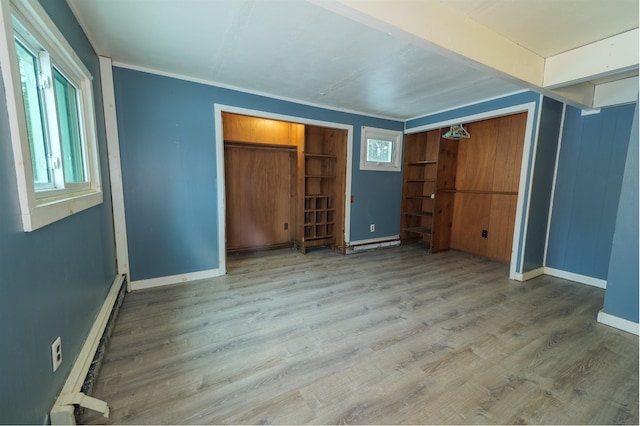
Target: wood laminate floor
390,336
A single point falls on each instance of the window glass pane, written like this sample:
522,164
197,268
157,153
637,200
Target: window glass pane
69,123
379,150
38,145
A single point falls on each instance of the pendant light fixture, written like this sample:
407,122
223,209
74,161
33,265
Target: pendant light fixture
456,133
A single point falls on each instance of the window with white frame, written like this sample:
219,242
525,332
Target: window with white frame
380,150
51,115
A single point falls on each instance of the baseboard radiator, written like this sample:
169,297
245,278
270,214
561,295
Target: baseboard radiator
351,249
74,397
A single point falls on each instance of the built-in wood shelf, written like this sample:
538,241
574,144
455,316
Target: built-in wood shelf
420,197
426,205
420,180
322,174
422,230
320,156
422,214
422,163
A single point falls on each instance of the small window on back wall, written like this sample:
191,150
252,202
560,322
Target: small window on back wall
380,150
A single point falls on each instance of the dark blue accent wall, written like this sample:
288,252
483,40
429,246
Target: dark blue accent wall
168,152
542,183
54,280
621,297
589,178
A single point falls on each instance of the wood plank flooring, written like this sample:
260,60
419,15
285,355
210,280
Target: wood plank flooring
393,336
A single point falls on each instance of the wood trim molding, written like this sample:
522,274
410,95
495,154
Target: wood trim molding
176,279
582,279
115,167
617,322
529,275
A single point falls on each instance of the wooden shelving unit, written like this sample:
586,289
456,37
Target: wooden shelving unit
428,182
323,176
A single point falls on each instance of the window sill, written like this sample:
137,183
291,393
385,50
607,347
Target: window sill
380,167
49,210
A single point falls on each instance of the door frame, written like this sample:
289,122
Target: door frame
526,171
220,171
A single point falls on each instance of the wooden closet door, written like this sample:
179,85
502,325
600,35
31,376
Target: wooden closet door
258,194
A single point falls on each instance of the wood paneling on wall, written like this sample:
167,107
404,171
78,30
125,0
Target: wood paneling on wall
255,130
261,180
508,153
476,157
487,180
470,216
258,193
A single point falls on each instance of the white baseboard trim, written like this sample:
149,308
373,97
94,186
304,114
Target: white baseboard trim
373,243
617,322
62,411
175,279
583,279
524,276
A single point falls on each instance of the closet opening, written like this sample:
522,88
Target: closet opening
284,184
463,194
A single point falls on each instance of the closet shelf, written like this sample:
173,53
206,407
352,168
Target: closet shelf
422,230
319,210
427,210
420,197
421,180
425,214
317,155
309,225
422,163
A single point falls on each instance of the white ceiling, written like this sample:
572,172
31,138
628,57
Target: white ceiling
316,52
550,27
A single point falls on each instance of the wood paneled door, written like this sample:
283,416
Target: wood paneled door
258,181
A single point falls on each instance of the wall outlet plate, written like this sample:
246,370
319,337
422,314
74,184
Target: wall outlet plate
56,353
372,227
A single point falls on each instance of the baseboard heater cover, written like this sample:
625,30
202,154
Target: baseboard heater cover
74,397
371,246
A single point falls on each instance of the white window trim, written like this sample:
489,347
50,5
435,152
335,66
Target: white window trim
37,211
374,133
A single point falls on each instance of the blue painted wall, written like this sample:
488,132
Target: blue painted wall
54,280
167,142
542,183
621,297
589,179
488,106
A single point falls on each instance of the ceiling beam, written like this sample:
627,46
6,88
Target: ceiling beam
600,59
437,27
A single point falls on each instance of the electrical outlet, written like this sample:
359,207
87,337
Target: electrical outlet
372,227
484,233
56,353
